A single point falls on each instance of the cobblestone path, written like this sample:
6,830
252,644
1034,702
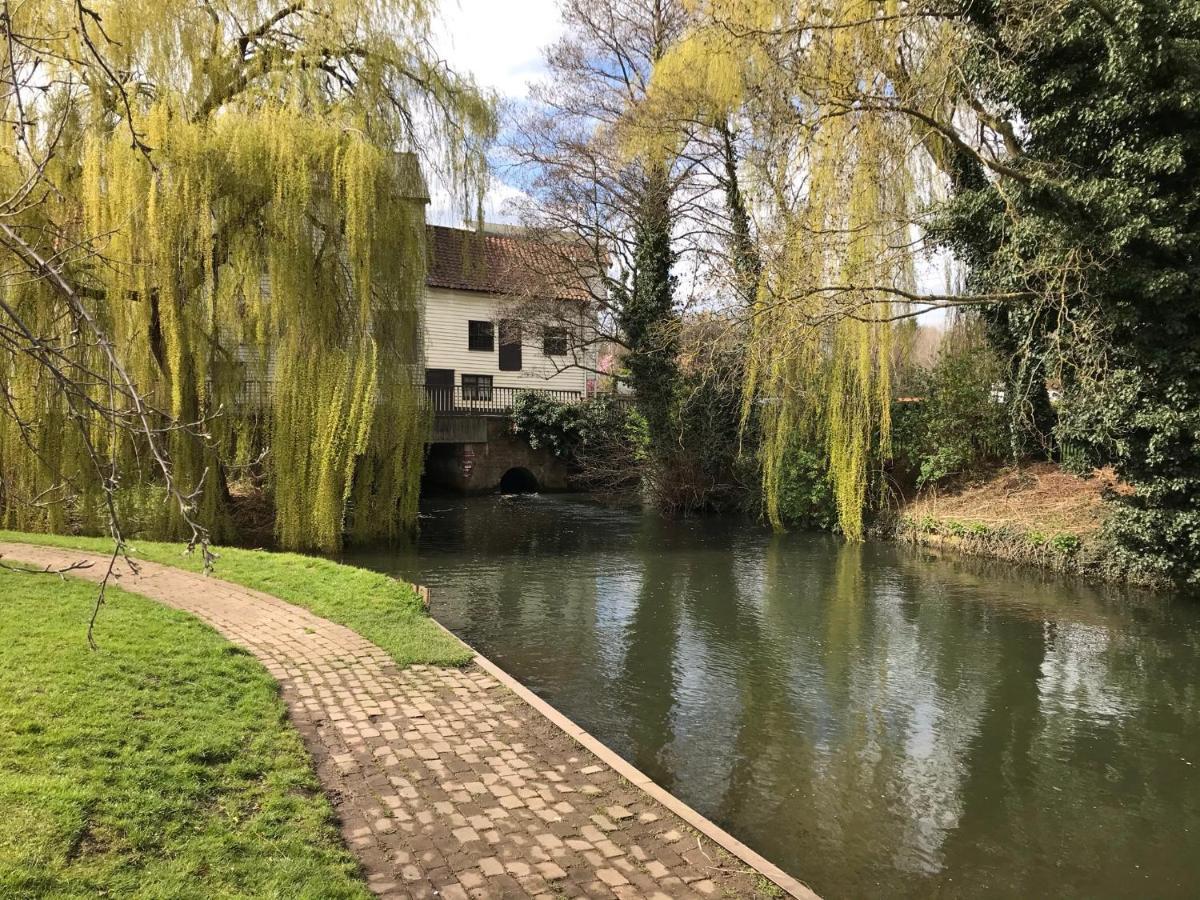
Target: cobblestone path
446,783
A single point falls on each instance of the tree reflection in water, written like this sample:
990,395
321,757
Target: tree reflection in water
874,719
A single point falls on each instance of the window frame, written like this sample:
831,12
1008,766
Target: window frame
556,333
479,388
477,331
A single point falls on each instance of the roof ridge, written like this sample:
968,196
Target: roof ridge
499,264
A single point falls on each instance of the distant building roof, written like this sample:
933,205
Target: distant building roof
510,264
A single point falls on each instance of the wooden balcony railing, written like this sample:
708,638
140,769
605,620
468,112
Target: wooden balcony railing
443,400
481,400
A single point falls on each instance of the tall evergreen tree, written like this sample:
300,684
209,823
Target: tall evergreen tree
648,317
1107,237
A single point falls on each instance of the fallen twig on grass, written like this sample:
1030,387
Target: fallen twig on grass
48,570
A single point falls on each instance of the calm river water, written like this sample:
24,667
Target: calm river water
877,721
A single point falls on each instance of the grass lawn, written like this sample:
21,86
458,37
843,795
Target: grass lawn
160,765
381,609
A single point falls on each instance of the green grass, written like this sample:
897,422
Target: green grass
383,610
161,765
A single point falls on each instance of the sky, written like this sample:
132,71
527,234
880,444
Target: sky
501,43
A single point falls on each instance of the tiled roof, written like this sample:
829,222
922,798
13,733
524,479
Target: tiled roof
508,264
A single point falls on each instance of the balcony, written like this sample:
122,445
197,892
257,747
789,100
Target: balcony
472,400
483,400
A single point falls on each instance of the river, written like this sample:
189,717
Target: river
876,720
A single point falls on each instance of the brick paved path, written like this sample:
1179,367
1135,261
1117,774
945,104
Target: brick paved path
446,783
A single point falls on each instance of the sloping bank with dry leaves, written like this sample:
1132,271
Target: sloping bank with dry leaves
1037,514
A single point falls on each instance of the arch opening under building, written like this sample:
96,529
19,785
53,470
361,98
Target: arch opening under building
518,480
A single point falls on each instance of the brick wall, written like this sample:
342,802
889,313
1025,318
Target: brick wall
477,467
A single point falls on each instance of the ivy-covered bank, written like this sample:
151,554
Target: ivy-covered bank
1095,559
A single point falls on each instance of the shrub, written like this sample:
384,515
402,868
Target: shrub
705,468
959,425
604,440
548,423
805,493
1065,543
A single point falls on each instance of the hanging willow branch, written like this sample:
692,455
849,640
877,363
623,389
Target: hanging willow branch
200,198
859,117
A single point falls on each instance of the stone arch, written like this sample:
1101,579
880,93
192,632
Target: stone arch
518,480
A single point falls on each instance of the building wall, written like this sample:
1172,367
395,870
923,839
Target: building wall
447,313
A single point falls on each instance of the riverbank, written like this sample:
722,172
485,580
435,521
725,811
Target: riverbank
1038,515
384,610
841,707
445,782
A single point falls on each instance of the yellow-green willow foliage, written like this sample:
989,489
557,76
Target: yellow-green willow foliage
252,242
817,85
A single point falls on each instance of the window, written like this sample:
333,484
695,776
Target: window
554,341
480,336
477,387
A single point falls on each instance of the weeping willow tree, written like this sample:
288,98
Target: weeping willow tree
214,260
851,104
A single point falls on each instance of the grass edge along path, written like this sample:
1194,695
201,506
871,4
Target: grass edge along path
383,610
162,764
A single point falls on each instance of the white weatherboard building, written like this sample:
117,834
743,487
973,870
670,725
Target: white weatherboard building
474,355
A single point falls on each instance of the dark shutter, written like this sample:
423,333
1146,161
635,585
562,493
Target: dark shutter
510,347
555,341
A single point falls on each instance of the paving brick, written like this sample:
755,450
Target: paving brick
611,877
657,869
491,866
551,871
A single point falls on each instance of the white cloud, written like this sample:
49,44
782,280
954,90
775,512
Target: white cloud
501,43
